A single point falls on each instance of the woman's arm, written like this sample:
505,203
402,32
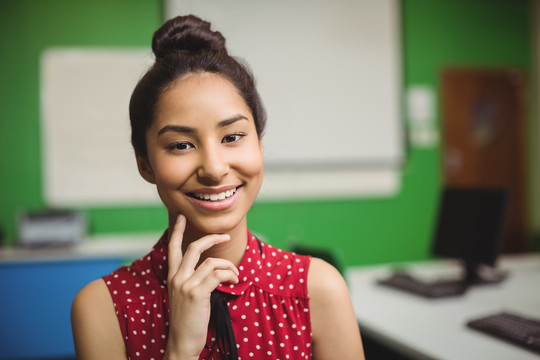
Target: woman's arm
334,327
96,331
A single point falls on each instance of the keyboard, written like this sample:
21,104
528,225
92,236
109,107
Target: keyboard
511,327
432,290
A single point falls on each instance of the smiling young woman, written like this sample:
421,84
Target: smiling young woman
209,289
204,155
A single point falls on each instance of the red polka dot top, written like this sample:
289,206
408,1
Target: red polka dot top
269,307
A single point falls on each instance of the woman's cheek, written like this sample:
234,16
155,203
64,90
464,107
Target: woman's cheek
172,174
252,161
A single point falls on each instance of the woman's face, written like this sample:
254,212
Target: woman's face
204,154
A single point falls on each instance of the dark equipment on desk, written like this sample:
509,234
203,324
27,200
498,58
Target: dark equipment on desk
469,227
511,327
432,290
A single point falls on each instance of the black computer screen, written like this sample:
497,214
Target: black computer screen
469,224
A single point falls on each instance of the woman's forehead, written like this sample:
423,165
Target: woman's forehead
201,96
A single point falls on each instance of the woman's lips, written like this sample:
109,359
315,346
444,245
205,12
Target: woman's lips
217,200
214,196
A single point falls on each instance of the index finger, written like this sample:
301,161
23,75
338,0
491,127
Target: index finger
175,245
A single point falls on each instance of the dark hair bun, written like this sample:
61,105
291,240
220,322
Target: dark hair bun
186,33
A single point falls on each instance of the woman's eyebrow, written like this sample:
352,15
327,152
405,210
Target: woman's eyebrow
190,130
178,129
231,120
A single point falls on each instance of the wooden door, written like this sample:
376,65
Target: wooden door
483,139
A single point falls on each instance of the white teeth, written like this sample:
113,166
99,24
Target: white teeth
216,197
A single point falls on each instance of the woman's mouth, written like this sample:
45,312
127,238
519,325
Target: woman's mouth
216,201
214,197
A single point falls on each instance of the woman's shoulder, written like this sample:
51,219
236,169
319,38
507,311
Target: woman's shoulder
93,300
94,323
325,280
334,326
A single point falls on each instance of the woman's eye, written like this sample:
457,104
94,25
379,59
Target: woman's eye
232,138
181,146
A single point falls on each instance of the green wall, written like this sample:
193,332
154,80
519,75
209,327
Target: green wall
364,231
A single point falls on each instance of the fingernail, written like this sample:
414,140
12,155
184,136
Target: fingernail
180,218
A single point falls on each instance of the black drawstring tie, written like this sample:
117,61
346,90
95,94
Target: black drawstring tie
221,319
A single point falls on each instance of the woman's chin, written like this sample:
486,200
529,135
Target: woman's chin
213,226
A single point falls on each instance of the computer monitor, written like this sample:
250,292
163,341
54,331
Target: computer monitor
469,228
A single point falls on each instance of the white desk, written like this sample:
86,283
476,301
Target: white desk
435,329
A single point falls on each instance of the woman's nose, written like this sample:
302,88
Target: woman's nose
213,165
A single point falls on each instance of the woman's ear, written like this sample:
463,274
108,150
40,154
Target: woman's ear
145,169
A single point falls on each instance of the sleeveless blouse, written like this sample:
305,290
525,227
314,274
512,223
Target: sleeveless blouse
269,307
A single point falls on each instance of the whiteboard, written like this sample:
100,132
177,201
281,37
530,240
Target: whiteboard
86,151
329,79
328,72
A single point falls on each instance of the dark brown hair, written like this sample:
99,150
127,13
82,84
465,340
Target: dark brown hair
183,45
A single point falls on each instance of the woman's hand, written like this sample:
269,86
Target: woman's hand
190,288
